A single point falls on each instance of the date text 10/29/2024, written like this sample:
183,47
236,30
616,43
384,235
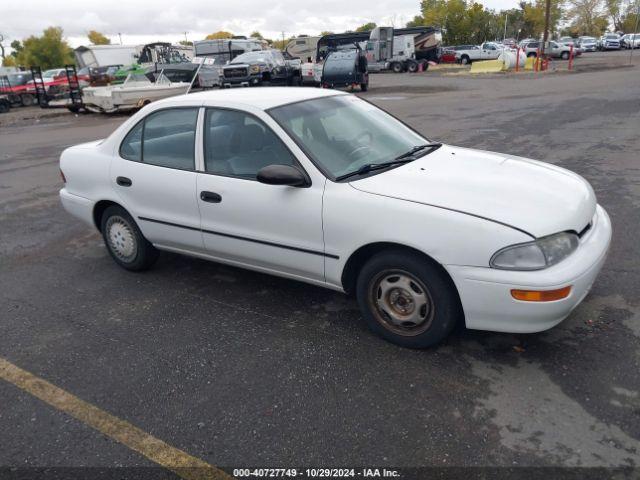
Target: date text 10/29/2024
316,472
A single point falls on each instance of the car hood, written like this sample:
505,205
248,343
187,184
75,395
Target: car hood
535,197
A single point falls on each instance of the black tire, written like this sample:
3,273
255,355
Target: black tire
435,319
565,56
465,60
118,229
27,99
364,86
412,66
396,67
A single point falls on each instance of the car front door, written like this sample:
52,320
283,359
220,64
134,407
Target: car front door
154,175
273,228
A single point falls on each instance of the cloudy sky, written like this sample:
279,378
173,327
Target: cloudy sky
142,21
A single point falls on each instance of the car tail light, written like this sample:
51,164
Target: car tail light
64,179
541,295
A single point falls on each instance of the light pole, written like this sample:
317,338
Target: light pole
506,17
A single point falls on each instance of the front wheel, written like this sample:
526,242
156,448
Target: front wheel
125,242
407,299
565,55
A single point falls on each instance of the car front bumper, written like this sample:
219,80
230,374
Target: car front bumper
485,293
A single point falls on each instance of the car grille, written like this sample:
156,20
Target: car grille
235,72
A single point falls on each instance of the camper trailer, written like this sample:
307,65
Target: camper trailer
303,48
226,49
103,55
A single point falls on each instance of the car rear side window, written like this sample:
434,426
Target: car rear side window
237,144
131,147
165,138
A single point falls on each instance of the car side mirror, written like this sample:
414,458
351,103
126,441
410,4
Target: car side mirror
282,175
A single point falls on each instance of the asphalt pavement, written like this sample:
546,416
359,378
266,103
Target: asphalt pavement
242,369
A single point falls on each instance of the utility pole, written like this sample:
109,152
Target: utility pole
1,46
635,30
547,14
185,37
283,45
120,37
506,17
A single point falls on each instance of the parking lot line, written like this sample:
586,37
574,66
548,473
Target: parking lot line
181,463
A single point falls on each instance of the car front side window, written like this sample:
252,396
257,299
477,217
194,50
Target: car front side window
237,144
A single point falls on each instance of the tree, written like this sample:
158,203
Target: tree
587,18
630,19
97,38
323,33
257,35
9,61
217,35
367,27
186,43
47,51
615,9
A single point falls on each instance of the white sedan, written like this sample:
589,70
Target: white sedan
323,187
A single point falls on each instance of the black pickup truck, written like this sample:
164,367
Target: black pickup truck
258,67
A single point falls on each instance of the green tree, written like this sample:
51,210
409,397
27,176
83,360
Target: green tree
186,43
220,34
367,27
97,38
9,61
587,18
615,9
257,35
323,33
47,51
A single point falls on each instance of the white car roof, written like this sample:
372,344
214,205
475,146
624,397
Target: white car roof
262,98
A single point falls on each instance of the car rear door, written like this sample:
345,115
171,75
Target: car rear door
273,228
154,175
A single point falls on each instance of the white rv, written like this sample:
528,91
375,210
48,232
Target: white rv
103,55
303,48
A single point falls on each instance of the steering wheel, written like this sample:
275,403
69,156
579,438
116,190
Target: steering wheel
361,147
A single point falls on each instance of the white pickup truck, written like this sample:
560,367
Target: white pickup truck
486,51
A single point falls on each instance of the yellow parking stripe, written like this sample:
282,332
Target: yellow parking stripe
183,464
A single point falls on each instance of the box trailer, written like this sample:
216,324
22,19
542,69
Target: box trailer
104,55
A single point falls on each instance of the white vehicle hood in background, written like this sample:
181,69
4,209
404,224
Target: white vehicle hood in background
536,197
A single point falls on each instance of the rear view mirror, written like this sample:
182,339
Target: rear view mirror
282,175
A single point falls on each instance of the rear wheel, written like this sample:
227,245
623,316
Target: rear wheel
407,299
27,99
412,67
396,67
565,56
364,86
125,242
4,106
465,60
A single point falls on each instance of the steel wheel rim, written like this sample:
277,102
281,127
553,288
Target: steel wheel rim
401,302
121,239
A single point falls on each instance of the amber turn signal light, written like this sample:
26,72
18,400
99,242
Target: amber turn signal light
541,295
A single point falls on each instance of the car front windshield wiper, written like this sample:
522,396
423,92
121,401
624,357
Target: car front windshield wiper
406,157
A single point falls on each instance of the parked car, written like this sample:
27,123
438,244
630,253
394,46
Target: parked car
632,41
609,41
321,186
255,68
486,51
588,44
5,104
568,41
555,50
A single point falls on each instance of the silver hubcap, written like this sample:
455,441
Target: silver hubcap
402,303
121,238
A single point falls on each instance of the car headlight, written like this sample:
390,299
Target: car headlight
255,69
536,255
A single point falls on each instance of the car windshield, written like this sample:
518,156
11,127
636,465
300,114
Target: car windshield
343,133
251,57
612,37
49,73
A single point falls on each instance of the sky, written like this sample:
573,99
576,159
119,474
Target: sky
144,21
